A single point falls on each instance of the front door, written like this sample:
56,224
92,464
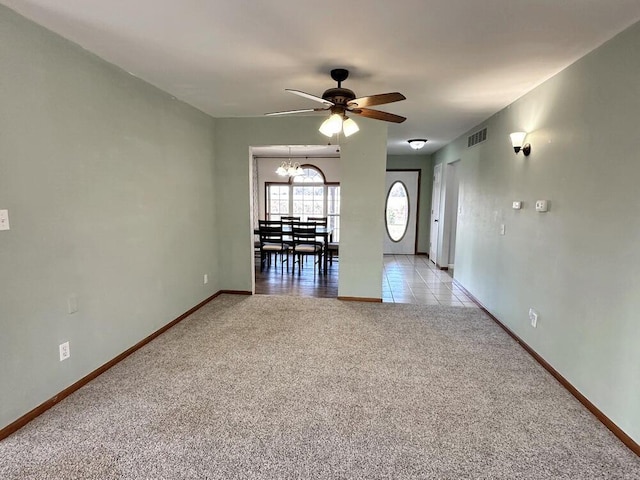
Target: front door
401,212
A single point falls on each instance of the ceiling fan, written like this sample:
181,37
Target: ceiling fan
340,101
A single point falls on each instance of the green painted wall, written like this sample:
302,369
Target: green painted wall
362,167
578,264
425,164
109,186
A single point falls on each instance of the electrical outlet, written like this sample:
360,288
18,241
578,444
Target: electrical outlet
4,220
206,278
542,205
65,352
502,229
533,317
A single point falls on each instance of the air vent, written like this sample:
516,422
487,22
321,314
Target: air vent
478,137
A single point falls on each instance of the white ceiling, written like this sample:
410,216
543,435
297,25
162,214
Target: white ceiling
456,61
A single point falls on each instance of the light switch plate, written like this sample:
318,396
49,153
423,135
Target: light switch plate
4,219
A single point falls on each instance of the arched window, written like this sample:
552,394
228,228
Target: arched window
305,196
311,175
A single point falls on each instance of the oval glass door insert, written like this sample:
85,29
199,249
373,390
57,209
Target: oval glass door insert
397,211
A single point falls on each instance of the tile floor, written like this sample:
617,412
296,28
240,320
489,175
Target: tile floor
414,279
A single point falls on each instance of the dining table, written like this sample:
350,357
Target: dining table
321,231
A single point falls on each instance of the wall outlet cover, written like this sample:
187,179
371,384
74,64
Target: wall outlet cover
4,220
542,205
65,351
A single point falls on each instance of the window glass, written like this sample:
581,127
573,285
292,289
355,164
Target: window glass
278,201
333,210
311,175
397,211
306,196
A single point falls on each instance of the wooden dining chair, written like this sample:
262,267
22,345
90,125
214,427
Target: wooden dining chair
305,244
287,221
333,249
272,242
320,222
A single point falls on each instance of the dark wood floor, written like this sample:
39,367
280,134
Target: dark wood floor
308,283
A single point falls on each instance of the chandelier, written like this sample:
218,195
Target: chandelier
290,169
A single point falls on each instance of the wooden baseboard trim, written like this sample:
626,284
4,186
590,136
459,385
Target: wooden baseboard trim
360,299
606,421
40,409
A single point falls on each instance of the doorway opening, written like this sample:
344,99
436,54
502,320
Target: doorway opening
313,195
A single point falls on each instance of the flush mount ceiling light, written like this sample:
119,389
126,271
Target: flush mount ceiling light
417,143
517,140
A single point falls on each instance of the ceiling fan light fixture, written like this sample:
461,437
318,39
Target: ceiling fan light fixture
331,125
349,127
417,143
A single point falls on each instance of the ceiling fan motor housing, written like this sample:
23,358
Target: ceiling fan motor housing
339,96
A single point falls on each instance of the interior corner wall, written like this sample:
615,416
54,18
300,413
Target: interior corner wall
109,186
362,159
578,263
424,163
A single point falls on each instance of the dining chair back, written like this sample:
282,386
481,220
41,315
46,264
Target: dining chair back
305,243
320,221
272,242
287,221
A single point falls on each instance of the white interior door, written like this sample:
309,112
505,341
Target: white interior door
435,214
401,212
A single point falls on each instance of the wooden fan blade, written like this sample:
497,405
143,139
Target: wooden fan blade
288,112
376,100
309,96
378,115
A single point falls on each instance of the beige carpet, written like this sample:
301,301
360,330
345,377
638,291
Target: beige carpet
282,387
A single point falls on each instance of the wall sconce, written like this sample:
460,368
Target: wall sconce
417,143
517,140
